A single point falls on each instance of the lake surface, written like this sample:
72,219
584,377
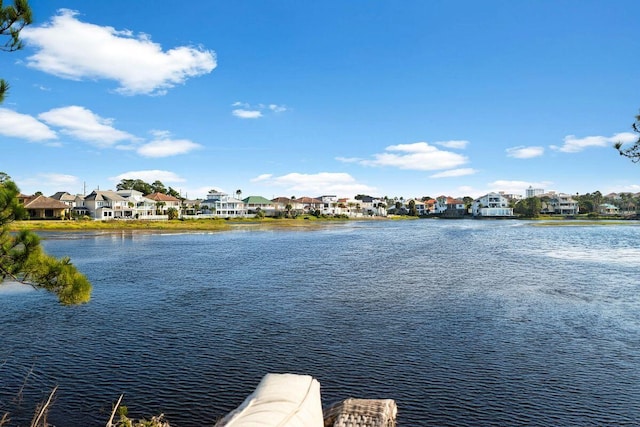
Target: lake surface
463,322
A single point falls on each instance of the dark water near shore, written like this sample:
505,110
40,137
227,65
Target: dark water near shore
465,323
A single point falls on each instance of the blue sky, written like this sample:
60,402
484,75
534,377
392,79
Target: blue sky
282,98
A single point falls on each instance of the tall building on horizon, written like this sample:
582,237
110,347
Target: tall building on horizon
532,192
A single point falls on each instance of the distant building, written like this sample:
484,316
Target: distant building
491,205
533,192
559,203
221,204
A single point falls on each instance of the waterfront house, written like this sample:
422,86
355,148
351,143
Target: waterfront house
66,198
255,204
43,207
105,205
558,203
164,202
309,204
608,209
491,205
372,206
329,205
220,204
139,206
280,204
455,208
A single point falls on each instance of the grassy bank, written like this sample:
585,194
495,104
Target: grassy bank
173,225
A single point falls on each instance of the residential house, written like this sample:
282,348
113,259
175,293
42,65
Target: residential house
558,203
65,198
105,205
430,206
421,207
449,207
139,206
43,207
372,206
220,204
310,204
164,202
255,204
491,205
608,209
329,205
284,204
191,207
455,208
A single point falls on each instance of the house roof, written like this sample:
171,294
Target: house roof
310,200
44,202
63,195
160,197
283,200
257,200
99,195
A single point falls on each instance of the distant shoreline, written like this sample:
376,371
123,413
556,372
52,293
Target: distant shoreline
220,224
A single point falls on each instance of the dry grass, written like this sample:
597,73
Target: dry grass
173,225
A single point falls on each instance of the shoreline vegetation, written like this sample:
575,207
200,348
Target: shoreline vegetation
221,224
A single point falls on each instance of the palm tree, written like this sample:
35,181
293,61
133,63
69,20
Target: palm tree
238,193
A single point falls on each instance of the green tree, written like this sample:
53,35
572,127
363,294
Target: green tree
632,152
528,208
412,208
159,206
173,213
158,187
12,20
23,260
173,193
135,184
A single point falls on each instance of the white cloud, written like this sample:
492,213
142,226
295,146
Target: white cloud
149,176
71,49
50,183
262,177
247,114
454,173
417,156
339,183
24,126
248,111
459,144
575,145
277,108
85,125
164,146
630,188
522,152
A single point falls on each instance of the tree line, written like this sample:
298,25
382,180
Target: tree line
145,188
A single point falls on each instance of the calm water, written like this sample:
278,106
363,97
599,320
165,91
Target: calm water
464,323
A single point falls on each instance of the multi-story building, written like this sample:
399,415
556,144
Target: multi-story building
221,204
491,205
533,192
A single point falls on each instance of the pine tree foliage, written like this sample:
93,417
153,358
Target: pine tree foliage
13,19
22,258
632,152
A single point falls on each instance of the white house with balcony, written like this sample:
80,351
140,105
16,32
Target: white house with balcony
220,204
559,203
139,206
105,205
491,205
123,204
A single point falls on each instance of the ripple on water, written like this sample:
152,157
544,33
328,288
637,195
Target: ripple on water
462,322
